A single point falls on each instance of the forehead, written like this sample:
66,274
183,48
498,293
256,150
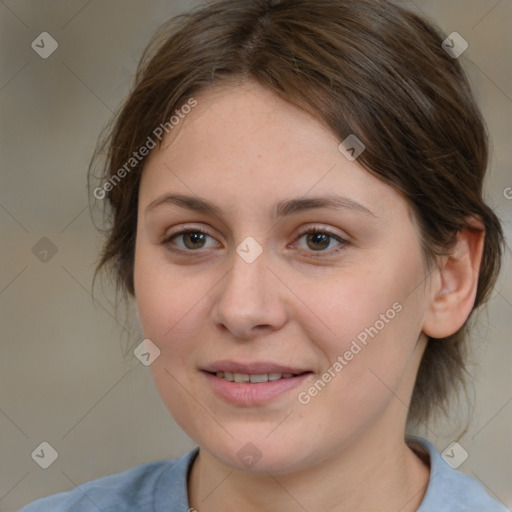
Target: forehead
244,144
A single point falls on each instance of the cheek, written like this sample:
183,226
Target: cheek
370,319
347,305
173,307
164,296
368,361
167,304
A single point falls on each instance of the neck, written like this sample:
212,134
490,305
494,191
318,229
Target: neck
381,476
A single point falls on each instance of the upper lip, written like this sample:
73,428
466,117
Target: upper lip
252,368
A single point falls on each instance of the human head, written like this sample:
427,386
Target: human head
366,67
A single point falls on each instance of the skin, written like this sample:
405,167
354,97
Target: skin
243,149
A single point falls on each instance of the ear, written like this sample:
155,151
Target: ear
455,290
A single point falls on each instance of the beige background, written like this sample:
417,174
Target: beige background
65,376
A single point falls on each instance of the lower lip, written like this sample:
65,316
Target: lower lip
253,393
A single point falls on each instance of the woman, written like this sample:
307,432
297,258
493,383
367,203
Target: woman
295,191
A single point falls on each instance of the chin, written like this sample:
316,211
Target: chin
247,454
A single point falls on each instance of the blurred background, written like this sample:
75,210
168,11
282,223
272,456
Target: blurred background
67,375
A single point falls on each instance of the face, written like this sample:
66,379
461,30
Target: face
281,263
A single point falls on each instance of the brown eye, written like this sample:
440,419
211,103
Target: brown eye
194,240
188,240
320,241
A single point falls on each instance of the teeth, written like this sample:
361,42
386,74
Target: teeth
259,378
245,377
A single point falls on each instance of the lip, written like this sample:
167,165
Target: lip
253,394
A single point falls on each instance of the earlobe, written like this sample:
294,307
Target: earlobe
453,300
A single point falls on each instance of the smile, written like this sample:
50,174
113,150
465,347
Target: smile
245,377
253,389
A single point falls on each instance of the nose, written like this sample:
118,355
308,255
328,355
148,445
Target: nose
250,300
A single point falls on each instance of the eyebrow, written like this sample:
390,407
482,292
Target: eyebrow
281,208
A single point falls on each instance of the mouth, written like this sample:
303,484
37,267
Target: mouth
252,384
254,378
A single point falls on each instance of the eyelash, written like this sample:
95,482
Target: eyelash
309,230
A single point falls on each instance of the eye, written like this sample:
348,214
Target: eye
319,239
191,240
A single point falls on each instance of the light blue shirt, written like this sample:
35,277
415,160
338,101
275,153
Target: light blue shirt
162,487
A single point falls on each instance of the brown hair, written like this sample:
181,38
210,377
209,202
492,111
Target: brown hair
364,67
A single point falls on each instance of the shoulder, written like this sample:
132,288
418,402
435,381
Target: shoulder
450,490
139,489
